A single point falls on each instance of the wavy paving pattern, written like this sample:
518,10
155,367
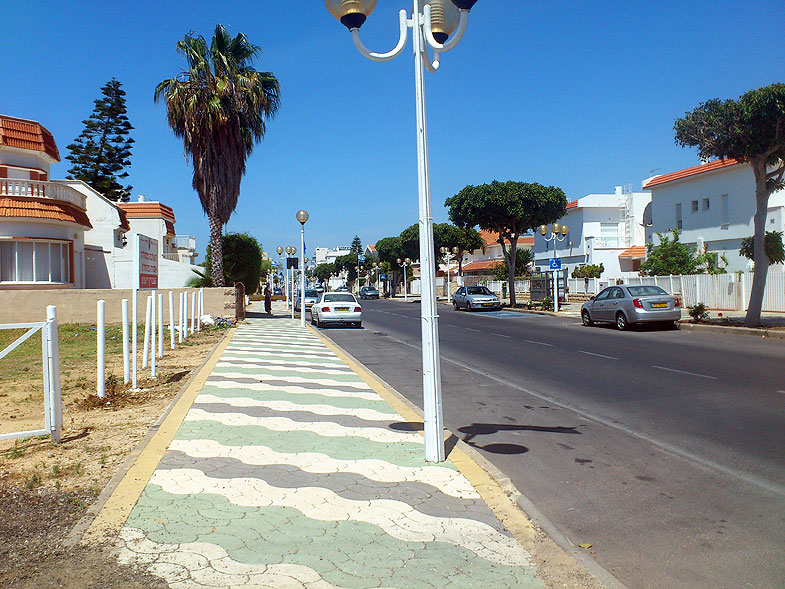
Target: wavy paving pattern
289,471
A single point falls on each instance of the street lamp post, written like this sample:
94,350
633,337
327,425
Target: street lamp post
449,256
280,250
292,251
302,217
558,233
432,22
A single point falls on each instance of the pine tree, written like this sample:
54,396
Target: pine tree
357,246
103,150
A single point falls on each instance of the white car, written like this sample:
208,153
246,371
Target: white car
337,307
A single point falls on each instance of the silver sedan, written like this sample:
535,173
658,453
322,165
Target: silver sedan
628,304
472,298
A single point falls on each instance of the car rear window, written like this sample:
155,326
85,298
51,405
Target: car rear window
311,293
481,290
646,290
339,298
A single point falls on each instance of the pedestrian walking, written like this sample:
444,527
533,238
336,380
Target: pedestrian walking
268,300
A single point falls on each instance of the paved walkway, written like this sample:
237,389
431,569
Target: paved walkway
290,471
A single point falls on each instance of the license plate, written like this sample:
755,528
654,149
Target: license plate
659,305
341,308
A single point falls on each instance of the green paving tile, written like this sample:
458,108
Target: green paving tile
293,442
282,374
275,534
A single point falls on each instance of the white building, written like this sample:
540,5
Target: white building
324,255
713,205
605,229
42,223
481,262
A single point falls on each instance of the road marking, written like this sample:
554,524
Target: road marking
598,355
472,329
500,335
531,341
751,479
781,391
687,373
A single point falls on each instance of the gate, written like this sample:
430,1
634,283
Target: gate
50,355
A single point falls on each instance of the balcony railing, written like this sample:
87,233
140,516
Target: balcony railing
35,189
608,241
184,242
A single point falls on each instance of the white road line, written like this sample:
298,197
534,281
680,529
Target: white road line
598,355
500,335
685,372
531,341
781,391
472,329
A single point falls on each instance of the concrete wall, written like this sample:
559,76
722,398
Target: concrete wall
79,306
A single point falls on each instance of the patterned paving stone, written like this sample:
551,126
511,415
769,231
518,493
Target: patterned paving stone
289,471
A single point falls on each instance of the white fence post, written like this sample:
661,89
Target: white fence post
134,336
160,326
171,319
53,351
146,346
180,315
101,345
152,334
185,313
200,311
126,367
193,312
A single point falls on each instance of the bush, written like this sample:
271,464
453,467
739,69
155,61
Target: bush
698,313
547,304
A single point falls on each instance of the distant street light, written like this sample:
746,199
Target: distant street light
449,256
558,233
432,22
291,250
302,217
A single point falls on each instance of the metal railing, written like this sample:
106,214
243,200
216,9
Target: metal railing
185,242
50,354
35,189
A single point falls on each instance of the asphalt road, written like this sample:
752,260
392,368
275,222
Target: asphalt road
665,449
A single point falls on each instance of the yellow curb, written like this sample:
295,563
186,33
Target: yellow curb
491,492
117,508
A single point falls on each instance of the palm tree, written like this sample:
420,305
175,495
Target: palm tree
218,106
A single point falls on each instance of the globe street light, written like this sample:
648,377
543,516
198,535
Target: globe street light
558,233
302,217
432,23
449,256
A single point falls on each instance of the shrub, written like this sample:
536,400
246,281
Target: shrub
698,313
547,304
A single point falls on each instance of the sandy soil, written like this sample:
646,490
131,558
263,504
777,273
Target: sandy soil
46,487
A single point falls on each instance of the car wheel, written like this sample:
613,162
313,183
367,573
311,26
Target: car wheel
469,306
455,306
621,321
358,324
586,318
313,319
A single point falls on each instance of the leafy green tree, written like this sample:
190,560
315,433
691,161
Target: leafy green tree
671,256
410,242
322,272
588,271
348,263
465,239
242,261
750,129
523,260
775,252
103,150
219,107
509,209
357,245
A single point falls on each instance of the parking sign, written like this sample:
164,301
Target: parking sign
555,263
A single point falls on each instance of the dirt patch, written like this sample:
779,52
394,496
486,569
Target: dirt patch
46,487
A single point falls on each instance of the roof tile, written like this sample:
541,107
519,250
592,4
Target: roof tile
42,208
687,172
25,134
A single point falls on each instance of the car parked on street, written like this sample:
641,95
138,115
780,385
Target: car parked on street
625,305
342,288
311,296
337,308
369,292
473,298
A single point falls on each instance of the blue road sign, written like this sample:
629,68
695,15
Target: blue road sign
555,263
383,276
360,258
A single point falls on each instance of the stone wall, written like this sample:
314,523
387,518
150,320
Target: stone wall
79,305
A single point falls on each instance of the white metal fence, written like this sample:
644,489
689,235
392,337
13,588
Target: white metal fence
50,355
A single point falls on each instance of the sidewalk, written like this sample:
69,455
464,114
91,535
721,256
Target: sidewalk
289,470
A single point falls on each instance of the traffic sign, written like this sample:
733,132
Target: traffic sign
360,258
555,263
382,276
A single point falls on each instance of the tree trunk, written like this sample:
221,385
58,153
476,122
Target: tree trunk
759,250
216,251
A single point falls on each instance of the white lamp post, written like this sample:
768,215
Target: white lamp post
558,233
449,256
302,217
432,22
292,250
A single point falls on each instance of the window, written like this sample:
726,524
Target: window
603,295
694,206
706,204
34,261
724,206
678,216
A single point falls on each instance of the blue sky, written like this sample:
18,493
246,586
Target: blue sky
580,95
